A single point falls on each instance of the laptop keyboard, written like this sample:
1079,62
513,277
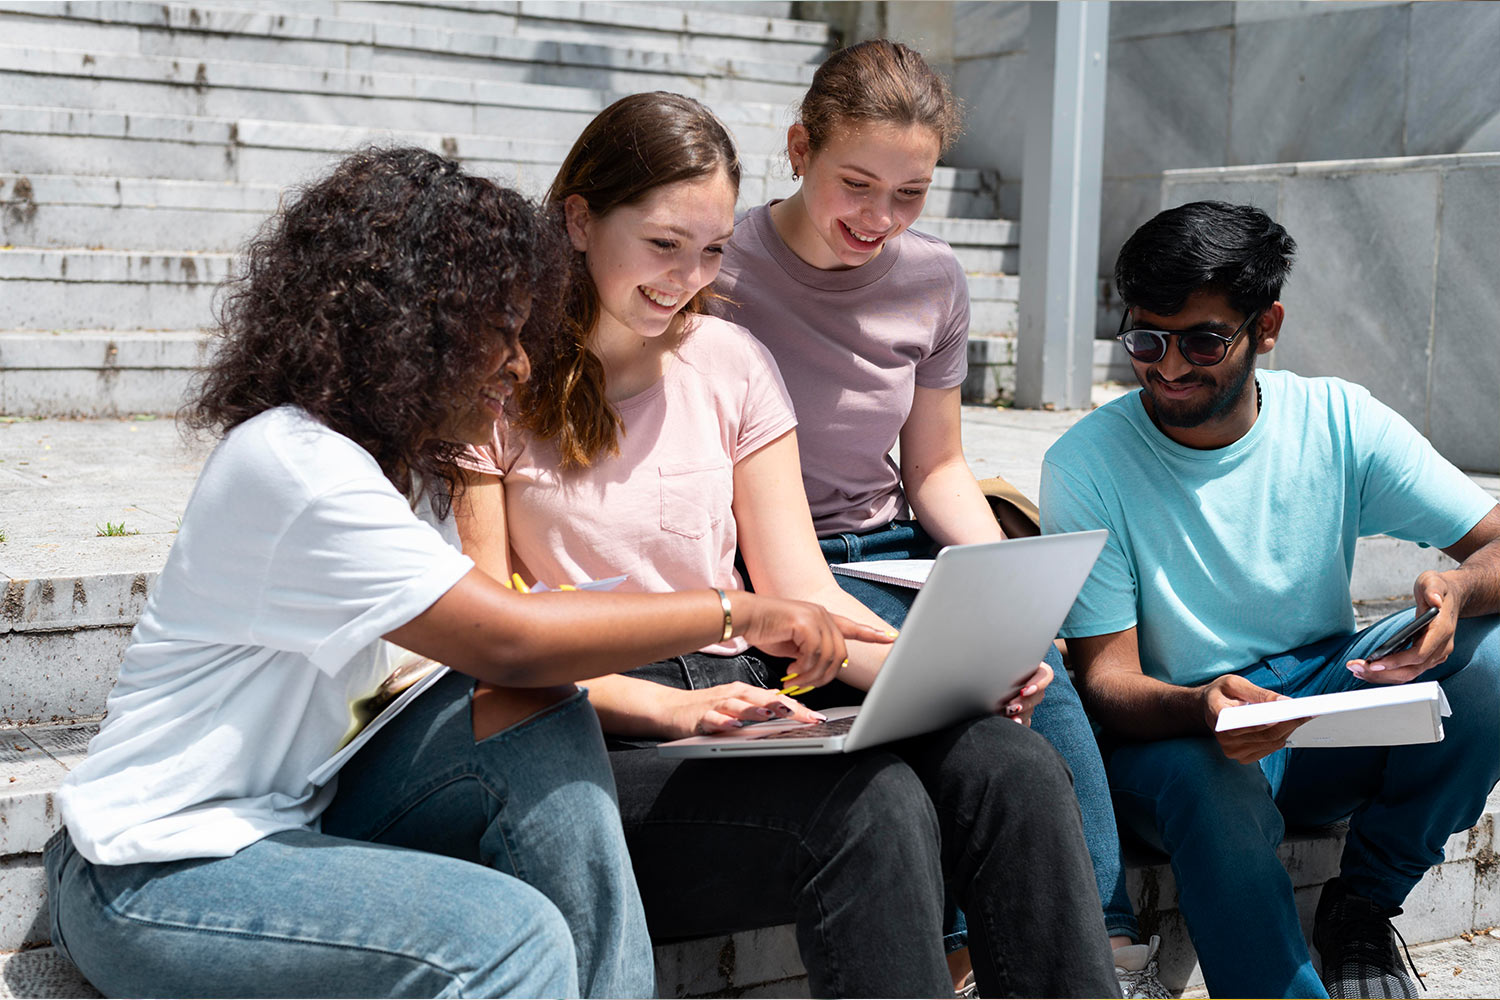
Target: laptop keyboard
816,730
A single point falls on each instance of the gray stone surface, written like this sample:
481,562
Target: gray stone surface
1264,195
1464,400
1164,17
1250,11
1359,303
1168,102
989,27
1125,203
23,902
1321,88
994,133
1454,100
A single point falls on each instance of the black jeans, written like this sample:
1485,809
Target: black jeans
855,849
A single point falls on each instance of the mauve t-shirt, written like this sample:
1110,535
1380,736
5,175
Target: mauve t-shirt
852,345
660,510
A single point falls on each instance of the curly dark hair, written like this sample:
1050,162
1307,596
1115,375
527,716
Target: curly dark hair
376,300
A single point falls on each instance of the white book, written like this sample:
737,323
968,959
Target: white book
897,572
1389,716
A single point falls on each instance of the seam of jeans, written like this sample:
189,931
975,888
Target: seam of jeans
109,907
571,703
422,793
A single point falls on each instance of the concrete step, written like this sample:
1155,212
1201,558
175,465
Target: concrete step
120,146
420,98
97,373
754,24
78,289
289,38
163,214
270,30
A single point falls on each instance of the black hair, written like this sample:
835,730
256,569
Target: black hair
1234,250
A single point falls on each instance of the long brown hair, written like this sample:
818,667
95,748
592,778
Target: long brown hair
632,147
884,82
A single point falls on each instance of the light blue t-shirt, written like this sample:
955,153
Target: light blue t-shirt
1226,556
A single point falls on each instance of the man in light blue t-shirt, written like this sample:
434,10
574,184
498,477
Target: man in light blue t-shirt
1234,498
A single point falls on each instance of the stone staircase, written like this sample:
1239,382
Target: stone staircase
141,144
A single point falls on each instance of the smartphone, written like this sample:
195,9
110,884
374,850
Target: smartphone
1404,637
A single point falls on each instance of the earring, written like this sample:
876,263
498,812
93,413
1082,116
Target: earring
796,174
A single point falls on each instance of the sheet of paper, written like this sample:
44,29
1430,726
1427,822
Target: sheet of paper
330,766
1377,716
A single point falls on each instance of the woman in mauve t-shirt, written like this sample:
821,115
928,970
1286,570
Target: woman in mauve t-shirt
868,321
667,444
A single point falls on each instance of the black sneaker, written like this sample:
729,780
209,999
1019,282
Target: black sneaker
1358,945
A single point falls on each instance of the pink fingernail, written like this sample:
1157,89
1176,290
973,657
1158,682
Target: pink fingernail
820,717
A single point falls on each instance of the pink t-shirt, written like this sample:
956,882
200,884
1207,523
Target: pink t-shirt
659,511
853,345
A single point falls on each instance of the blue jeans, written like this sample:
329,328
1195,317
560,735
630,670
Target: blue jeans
1060,718
445,867
1221,822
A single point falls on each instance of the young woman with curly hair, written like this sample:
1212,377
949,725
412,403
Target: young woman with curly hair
660,445
472,847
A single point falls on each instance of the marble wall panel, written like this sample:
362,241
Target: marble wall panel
995,114
1264,195
1359,301
989,27
1123,206
1331,89
1168,102
1454,103
1464,412
1246,11
1161,17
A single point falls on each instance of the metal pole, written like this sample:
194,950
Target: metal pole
1067,45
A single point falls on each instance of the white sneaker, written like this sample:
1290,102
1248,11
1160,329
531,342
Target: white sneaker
1135,968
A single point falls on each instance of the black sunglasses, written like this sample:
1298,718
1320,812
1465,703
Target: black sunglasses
1199,348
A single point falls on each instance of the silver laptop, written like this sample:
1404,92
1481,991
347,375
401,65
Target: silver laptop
979,627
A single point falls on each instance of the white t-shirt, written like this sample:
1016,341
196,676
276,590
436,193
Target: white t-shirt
294,557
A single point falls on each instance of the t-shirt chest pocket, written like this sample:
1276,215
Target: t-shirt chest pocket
696,497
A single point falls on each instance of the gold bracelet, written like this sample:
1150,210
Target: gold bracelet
728,619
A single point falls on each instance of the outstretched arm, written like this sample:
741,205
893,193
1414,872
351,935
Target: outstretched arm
939,485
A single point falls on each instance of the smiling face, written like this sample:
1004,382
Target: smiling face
862,188
649,258
473,412
1198,406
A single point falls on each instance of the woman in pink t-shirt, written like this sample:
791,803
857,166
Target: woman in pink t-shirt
665,443
868,320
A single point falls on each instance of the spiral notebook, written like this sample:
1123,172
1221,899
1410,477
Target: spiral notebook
896,572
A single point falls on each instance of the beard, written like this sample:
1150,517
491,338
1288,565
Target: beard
1224,394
